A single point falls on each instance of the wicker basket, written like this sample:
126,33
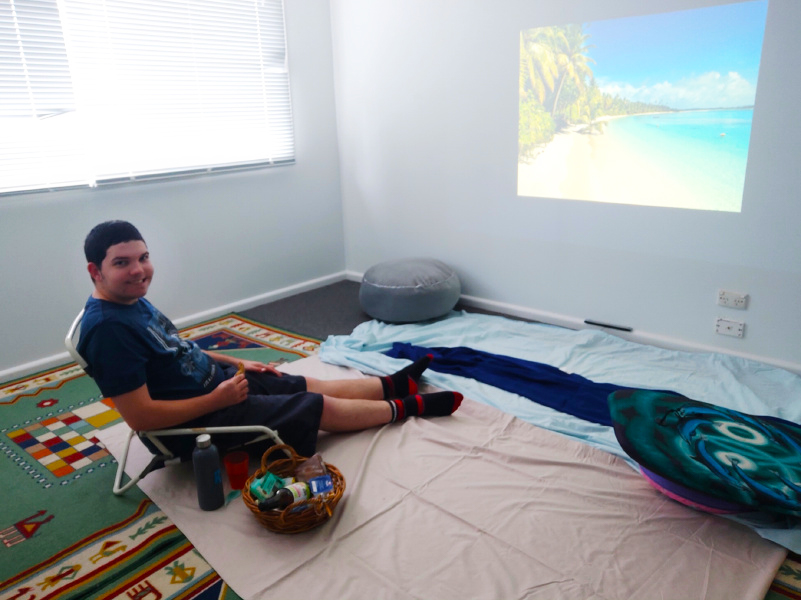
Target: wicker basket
291,520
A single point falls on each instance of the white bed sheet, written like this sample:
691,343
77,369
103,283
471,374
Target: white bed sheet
477,505
721,379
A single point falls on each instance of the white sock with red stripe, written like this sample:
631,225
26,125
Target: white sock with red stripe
437,404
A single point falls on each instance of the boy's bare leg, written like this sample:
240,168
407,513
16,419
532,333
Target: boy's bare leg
340,414
365,388
397,385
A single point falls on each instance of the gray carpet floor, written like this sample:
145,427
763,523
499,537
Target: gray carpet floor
330,310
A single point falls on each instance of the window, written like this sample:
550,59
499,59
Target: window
97,91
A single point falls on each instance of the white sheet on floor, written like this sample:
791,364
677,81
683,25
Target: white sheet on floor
477,505
721,379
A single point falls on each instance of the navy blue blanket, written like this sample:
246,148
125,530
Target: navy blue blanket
544,384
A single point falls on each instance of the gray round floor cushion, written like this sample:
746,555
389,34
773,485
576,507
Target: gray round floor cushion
409,289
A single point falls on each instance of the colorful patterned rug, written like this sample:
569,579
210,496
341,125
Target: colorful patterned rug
787,583
64,534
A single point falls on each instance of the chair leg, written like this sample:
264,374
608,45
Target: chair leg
155,463
159,461
117,489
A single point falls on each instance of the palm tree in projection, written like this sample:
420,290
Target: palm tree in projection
550,58
570,55
538,62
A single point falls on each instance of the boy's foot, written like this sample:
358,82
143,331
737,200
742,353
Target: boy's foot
404,382
437,404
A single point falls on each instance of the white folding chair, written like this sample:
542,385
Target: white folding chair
164,456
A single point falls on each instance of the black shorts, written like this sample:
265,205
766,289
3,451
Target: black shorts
280,403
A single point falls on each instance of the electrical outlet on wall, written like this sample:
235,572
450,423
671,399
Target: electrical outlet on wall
732,299
729,327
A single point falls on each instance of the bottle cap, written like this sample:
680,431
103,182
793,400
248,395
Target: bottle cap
203,440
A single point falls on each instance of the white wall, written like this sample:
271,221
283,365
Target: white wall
427,116
426,121
215,241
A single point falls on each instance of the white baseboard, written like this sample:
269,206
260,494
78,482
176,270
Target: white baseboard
514,310
253,301
57,360
641,337
49,362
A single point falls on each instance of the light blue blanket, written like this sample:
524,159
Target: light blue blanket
728,381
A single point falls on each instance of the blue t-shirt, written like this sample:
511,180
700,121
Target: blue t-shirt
127,346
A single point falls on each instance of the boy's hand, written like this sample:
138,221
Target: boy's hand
232,391
259,367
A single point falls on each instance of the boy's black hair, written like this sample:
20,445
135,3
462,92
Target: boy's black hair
105,235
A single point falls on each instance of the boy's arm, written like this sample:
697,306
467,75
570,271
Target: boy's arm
222,358
142,412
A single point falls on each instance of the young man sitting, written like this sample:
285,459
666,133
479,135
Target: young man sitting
158,380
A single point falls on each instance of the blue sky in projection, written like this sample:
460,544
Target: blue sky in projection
701,58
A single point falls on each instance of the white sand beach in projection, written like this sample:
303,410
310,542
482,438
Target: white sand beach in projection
647,160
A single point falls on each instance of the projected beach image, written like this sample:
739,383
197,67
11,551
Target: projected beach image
653,110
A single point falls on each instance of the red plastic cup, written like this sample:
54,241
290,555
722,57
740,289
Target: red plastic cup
236,465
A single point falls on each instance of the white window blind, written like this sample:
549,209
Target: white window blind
95,91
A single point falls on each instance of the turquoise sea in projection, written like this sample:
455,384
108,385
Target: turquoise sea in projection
706,149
